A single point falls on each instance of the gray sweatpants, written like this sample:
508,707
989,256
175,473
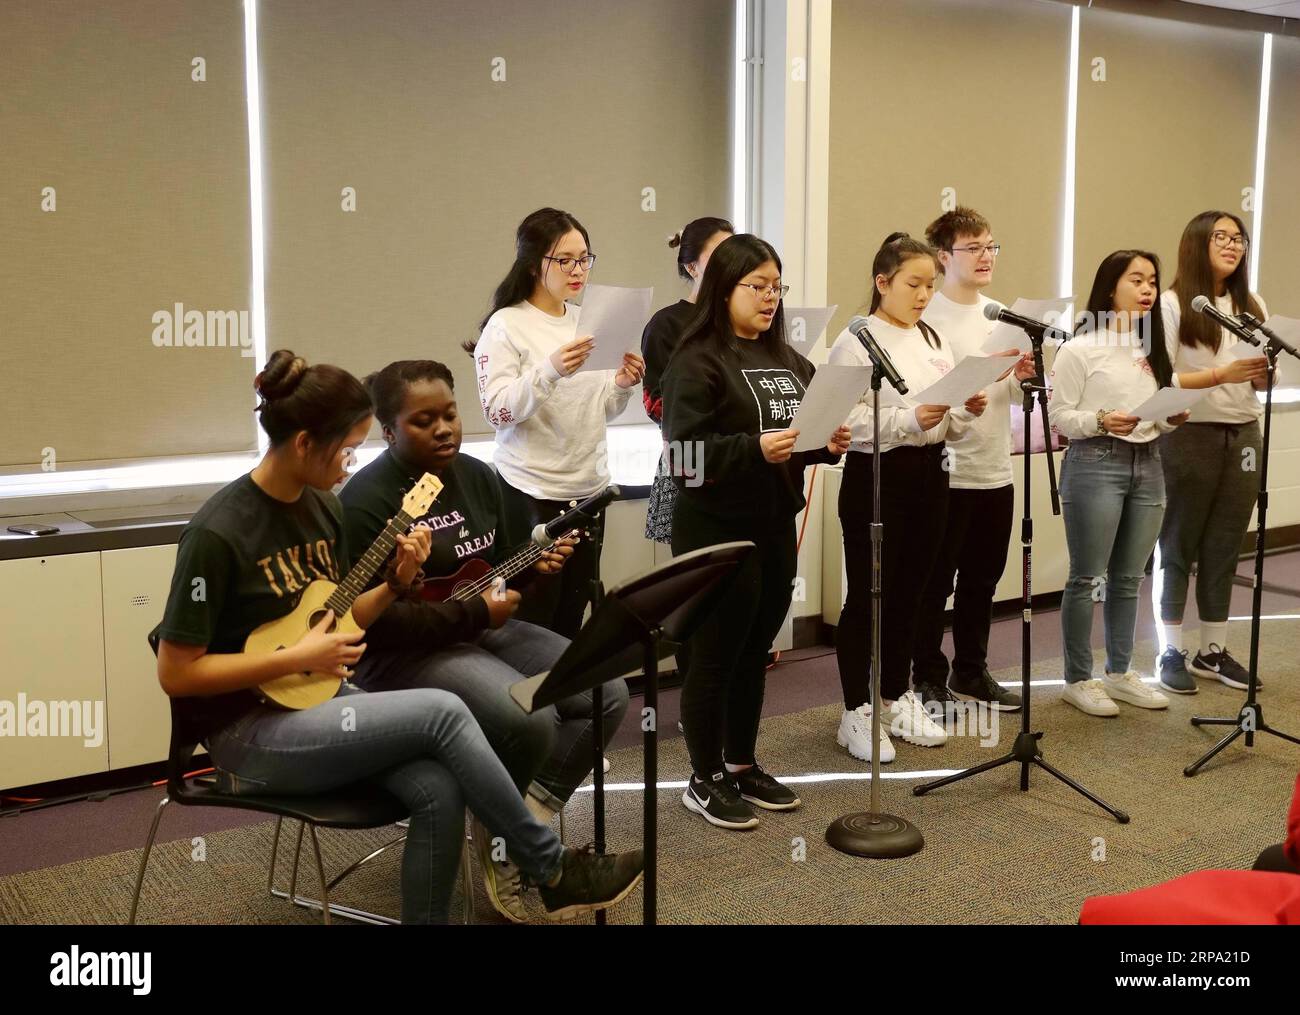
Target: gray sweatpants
1211,482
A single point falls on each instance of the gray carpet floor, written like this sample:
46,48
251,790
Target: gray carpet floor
993,854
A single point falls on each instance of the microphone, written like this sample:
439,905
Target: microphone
545,535
1035,329
858,328
1203,305
1274,339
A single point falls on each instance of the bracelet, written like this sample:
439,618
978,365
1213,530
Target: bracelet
1214,376
1101,415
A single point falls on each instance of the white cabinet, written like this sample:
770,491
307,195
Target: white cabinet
135,584
52,676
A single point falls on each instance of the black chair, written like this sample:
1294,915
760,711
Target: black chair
360,806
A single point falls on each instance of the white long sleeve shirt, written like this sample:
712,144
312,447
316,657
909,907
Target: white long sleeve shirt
981,454
1102,370
1224,403
920,366
550,428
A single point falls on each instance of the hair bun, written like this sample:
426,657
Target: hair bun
675,241
895,237
280,377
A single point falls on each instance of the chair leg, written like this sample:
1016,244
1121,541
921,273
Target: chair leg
320,871
561,824
144,859
275,850
297,852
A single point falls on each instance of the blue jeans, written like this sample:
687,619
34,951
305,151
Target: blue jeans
424,747
547,753
1113,499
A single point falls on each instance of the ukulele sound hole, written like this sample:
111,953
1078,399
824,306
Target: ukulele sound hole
318,615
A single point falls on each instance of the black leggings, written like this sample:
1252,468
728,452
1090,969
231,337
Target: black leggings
914,510
722,698
554,601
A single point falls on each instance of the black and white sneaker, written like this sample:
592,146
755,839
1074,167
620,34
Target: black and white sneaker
935,697
762,790
718,801
984,688
1172,670
1219,664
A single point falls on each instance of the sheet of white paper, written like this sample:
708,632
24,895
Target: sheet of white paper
1244,350
616,316
804,325
1288,367
1168,402
834,391
971,375
1007,336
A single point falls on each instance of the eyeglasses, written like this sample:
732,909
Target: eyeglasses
764,292
976,250
567,264
1222,239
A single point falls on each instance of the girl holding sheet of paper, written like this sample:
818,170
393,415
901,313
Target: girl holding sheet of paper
1210,464
732,388
663,331
1112,486
913,495
549,418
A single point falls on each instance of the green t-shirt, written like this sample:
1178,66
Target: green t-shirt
244,559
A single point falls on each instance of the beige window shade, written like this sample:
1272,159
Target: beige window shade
946,94
397,101
1169,133
149,170
1279,246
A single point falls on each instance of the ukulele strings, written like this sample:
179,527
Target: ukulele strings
508,569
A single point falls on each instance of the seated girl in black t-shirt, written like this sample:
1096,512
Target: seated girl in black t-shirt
475,649
243,560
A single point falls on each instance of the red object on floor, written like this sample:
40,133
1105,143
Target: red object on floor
1219,897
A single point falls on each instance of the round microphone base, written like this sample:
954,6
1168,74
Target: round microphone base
879,836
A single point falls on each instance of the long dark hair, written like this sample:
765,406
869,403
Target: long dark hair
1150,327
733,259
324,400
1195,277
897,249
388,386
689,243
536,237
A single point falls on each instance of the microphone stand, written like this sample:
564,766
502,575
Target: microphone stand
1250,720
596,533
871,833
1026,750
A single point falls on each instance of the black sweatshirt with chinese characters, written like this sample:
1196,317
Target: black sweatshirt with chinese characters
718,399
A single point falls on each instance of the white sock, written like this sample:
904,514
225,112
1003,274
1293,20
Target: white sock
734,769
1173,635
1213,633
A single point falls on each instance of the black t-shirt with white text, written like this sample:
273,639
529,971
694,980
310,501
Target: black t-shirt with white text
718,401
244,559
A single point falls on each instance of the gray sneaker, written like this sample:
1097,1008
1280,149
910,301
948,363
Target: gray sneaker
1174,675
500,877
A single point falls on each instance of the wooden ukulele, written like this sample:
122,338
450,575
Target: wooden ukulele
476,576
308,689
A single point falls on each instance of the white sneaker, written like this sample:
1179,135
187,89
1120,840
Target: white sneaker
604,764
1090,696
908,719
1129,687
855,734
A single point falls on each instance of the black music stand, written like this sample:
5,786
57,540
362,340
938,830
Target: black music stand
631,630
